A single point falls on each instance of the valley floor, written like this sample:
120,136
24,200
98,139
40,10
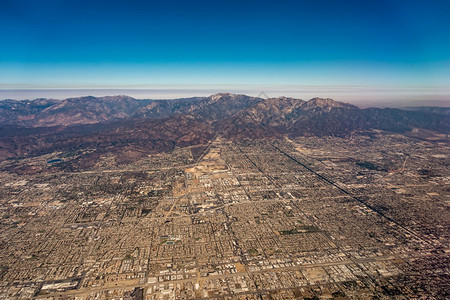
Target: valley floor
358,218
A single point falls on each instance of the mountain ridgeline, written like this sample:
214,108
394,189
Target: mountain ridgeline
132,128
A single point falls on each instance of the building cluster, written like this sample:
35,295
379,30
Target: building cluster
306,218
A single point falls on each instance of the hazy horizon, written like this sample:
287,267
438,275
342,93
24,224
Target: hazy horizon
379,98
371,51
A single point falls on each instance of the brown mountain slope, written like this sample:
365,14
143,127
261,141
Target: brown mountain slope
130,128
212,108
72,111
321,117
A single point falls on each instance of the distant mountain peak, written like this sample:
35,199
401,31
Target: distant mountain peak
118,97
221,96
283,98
325,103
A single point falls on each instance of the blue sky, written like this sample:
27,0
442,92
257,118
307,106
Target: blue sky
372,49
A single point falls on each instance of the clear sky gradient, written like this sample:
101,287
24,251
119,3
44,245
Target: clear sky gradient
349,50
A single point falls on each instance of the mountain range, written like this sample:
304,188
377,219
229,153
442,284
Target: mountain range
132,128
